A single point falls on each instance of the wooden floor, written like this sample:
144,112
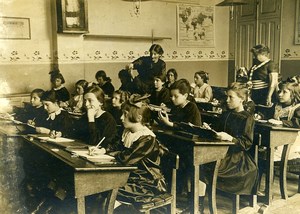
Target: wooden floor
279,206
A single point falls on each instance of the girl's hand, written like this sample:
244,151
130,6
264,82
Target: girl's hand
93,150
42,130
54,134
91,113
31,122
164,117
224,136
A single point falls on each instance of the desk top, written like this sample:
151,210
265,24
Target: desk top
268,126
196,140
77,163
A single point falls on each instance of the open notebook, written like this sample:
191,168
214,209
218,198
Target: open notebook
198,130
98,158
59,141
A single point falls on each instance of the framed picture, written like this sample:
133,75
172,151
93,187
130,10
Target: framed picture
15,28
72,16
195,26
297,23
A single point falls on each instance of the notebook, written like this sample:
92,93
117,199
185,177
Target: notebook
95,158
198,130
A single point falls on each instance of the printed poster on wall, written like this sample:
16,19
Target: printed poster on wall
195,26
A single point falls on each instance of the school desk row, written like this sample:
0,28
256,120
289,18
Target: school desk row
195,151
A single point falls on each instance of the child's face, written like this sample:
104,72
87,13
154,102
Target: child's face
198,80
171,77
57,83
50,106
35,100
79,89
233,101
100,81
116,100
91,101
158,84
177,98
155,56
125,120
284,96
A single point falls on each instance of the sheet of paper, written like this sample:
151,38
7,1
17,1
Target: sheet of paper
56,140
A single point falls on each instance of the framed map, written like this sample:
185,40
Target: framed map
195,26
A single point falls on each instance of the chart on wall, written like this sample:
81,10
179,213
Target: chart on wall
195,26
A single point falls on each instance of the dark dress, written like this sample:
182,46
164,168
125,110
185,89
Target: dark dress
62,94
38,115
147,181
159,97
61,123
260,80
104,126
108,88
238,173
147,70
189,113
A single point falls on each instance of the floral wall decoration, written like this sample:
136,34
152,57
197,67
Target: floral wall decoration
93,56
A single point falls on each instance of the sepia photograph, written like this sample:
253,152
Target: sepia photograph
149,106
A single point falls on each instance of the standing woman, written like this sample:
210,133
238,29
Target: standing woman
263,75
148,67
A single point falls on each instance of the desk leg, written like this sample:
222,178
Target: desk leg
212,189
195,190
283,169
81,205
270,175
110,201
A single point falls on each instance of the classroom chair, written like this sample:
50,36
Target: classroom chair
292,166
212,187
170,164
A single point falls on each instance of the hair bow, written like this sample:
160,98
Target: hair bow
138,100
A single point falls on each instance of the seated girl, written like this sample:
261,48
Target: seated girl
202,91
160,94
76,102
100,123
62,93
118,98
171,77
140,148
184,110
59,122
238,172
35,113
287,111
104,82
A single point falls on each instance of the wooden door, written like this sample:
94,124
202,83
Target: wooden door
257,23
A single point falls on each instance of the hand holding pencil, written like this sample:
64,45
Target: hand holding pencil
95,150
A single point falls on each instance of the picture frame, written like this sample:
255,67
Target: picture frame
297,23
72,16
15,28
195,26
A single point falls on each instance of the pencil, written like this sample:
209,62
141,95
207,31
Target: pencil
97,146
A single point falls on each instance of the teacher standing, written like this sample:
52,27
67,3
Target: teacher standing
263,75
148,67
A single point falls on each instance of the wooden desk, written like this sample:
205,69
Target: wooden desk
272,136
198,151
85,177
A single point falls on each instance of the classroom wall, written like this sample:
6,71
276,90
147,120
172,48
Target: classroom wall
24,64
290,52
